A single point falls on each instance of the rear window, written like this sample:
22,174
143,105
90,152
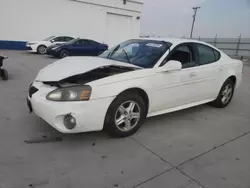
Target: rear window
217,55
207,54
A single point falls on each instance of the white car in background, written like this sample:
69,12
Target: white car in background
41,46
137,79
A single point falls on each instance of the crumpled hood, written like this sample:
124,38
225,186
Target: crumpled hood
71,66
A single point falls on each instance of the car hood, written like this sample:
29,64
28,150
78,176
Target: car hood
39,42
71,66
53,46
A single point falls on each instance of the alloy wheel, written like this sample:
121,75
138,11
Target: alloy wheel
127,116
42,49
227,94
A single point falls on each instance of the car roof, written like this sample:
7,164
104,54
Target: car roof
176,41
63,36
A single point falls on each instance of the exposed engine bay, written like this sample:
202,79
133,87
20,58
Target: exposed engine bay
92,75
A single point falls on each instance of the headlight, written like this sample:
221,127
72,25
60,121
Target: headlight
32,43
54,48
74,93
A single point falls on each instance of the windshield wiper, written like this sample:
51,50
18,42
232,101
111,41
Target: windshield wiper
126,54
117,48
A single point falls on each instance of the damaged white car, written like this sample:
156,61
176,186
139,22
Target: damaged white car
137,79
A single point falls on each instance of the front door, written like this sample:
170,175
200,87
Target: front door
59,40
178,88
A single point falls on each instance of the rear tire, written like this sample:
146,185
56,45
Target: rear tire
226,94
125,115
64,53
42,49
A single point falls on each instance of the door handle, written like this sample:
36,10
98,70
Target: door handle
192,74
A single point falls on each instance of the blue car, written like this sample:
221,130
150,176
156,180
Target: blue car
78,47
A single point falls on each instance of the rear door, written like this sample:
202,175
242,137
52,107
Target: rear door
98,48
208,71
85,48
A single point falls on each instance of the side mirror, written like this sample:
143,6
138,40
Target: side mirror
52,41
170,66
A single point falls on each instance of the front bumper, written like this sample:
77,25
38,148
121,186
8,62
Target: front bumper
31,48
52,53
89,115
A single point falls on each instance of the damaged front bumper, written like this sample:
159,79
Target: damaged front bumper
89,115
53,53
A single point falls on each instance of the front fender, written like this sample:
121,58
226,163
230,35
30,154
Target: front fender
114,89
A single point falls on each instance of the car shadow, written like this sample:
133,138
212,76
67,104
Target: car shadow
51,57
47,132
185,112
44,133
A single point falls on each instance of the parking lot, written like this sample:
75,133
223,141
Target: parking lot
198,147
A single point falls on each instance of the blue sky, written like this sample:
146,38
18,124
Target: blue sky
227,18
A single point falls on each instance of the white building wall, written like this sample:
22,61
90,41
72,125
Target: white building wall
108,21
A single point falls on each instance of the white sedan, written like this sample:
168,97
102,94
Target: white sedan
41,46
137,79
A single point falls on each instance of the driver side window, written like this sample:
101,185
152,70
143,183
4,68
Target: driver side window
185,55
80,42
58,39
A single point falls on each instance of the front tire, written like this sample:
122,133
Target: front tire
64,53
42,49
125,115
225,96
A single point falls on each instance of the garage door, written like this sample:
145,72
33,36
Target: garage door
119,28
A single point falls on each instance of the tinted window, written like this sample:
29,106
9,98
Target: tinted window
66,39
206,54
59,39
185,55
83,41
78,42
217,55
73,41
93,42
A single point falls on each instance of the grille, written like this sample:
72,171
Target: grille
32,90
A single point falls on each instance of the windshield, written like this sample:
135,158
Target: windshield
142,53
49,38
72,41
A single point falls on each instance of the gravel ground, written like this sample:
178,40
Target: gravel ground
198,147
